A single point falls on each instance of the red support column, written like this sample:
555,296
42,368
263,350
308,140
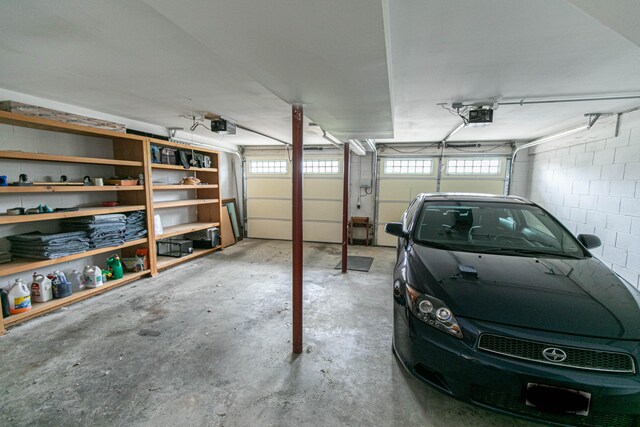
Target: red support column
297,166
345,206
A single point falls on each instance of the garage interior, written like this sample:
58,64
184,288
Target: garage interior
336,113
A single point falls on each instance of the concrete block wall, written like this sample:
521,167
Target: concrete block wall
594,188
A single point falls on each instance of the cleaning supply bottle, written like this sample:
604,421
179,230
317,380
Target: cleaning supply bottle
92,276
41,288
77,280
59,285
19,297
115,266
4,298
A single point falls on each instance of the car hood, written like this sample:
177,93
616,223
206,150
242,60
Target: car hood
572,296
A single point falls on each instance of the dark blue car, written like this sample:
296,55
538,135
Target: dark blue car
497,304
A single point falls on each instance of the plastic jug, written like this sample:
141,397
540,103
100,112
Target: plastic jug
92,276
77,280
115,266
19,297
59,285
41,289
5,303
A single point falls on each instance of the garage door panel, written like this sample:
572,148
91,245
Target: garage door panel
472,186
270,229
322,231
269,187
269,208
269,204
404,189
322,210
322,188
391,211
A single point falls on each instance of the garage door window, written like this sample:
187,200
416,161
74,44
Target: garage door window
268,167
473,166
321,167
408,166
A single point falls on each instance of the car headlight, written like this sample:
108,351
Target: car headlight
433,312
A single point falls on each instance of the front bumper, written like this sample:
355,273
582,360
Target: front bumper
497,382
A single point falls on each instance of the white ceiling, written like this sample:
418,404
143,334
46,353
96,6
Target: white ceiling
362,68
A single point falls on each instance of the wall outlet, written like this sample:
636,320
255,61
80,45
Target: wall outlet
358,206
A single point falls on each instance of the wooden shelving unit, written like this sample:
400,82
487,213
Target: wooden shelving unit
204,197
131,157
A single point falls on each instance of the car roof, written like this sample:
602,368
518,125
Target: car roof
474,197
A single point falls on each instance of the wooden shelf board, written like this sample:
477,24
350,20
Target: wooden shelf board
179,203
160,187
46,307
69,188
20,155
197,148
166,262
20,265
98,210
14,119
180,168
177,230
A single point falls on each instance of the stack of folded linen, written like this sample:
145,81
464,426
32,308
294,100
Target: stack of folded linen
136,226
5,257
49,246
103,230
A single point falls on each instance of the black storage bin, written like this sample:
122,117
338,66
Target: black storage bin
207,244
174,247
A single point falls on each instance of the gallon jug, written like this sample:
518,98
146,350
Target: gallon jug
77,280
5,303
115,266
41,290
19,297
59,285
92,276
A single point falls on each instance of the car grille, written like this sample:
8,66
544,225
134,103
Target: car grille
515,404
575,357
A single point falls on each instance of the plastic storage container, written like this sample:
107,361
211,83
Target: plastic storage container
41,288
92,276
19,297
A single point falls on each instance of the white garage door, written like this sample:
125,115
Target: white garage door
269,208
401,179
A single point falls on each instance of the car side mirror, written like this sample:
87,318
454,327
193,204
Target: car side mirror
395,229
589,240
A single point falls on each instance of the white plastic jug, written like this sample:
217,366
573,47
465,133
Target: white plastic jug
19,297
41,290
92,276
77,280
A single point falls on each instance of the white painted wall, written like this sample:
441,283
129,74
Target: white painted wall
594,188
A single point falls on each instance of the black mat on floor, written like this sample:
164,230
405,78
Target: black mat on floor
357,263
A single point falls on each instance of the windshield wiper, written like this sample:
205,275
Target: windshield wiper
523,251
441,245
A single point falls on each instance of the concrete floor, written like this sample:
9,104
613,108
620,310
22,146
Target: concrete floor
208,344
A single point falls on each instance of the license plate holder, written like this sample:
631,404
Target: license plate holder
557,399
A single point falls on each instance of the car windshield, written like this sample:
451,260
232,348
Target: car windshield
494,227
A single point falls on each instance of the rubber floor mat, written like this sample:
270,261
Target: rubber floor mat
357,263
